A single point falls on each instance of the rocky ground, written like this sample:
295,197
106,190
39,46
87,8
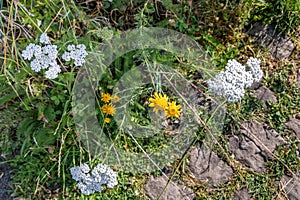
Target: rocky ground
207,168
252,147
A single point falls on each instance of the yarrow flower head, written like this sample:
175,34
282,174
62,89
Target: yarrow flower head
254,66
29,52
44,57
77,53
90,181
235,79
44,39
53,71
159,102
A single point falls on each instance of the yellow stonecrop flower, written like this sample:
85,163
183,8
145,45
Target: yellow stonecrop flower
108,109
105,97
107,120
173,110
159,102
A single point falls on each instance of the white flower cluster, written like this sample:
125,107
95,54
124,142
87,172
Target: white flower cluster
236,78
254,66
92,181
45,56
77,53
44,39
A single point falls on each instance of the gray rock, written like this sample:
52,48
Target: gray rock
264,94
247,152
294,124
4,180
173,191
255,85
277,43
268,137
207,167
253,150
242,194
291,186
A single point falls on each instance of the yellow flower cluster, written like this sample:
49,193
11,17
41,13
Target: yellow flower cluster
160,102
108,108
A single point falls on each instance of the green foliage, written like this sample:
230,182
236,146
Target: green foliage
285,14
38,135
287,94
250,106
261,186
288,155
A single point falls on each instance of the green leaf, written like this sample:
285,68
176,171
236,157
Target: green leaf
44,137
